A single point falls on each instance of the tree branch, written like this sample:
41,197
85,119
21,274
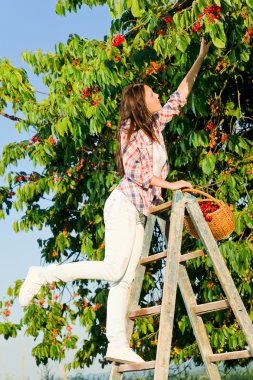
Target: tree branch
11,117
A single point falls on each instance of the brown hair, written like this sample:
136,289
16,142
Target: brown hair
133,107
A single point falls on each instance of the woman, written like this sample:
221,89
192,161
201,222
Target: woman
142,159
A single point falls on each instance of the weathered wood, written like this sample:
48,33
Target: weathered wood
221,269
210,306
164,225
230,355
145,312
175,273
135,289
197,323
153,258
163,255
191,255
136,366
161,208
169,288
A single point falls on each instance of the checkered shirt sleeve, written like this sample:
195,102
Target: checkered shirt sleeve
170,109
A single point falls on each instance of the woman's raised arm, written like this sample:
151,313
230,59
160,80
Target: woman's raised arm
187,83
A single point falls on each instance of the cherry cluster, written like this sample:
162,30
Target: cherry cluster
207,208
117,40
154,68
22,178
36,139
214,104
6,311
52,141
92,93
161,32
196,27
247,36
168,20
212,129
86,93
224,137
222,64
210,126
212,14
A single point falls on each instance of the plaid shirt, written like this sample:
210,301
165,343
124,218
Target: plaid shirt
138,157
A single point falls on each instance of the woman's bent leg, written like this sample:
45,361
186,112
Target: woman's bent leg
120,223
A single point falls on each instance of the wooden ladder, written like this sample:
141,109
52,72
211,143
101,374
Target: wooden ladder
175,273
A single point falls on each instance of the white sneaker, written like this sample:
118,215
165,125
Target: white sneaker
122,355
31,285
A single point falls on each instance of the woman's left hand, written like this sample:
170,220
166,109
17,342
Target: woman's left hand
204,47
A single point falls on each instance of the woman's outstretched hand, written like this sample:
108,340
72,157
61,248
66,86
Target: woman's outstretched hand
204,47
159,182
179,185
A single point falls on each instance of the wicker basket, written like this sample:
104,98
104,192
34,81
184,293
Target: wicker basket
222,223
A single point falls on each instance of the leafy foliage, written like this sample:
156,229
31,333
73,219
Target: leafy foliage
210,144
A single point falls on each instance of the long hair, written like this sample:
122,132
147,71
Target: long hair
133,108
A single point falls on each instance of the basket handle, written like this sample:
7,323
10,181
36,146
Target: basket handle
195,191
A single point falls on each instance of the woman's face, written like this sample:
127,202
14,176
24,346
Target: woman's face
152,100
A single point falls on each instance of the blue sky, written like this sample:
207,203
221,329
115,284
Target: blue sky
31,25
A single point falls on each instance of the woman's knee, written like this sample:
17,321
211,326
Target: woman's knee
115,272
120,285
116,268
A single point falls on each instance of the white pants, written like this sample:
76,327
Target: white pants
123,243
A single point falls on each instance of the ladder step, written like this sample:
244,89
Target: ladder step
136,366
210,306
230,355
145,312
192,255
152,258
161,208
163,255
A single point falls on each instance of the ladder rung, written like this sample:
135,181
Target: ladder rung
145,312
152,258
191,255
230,355
161,208
210,306
136,366
162,255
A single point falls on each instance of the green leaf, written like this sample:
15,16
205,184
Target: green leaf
202,4
239,224
248,220
199,138
119,7
249,3
208,164
218,35
10,292
135,9
15,226
176,19
182,21
183,41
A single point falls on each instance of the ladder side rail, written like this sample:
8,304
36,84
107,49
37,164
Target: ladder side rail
135,288
164,225
197,323
170,288
221,269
